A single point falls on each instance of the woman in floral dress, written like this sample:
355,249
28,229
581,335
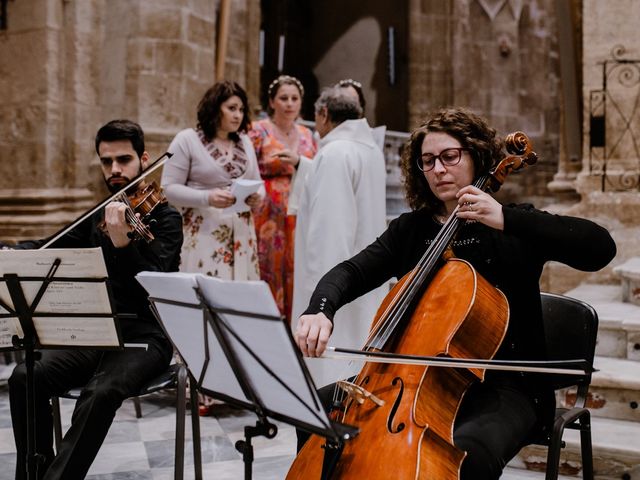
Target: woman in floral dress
197,178
279,143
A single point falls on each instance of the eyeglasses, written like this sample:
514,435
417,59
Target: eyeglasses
448,157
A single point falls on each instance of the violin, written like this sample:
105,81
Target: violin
141,202
406,411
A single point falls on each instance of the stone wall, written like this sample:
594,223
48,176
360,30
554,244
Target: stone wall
609,30
67,67
499,59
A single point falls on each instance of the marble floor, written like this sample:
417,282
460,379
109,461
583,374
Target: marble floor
142,449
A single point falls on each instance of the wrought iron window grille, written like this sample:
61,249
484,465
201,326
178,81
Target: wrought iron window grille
614,120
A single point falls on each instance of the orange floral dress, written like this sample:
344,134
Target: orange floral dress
274,228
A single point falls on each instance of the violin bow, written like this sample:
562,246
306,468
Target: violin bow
160,161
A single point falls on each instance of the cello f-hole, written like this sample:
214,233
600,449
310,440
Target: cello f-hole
395,406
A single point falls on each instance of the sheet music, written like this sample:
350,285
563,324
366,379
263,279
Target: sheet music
9,327
76,331
62,296
185,328
79,263
268,338
241,188
270,341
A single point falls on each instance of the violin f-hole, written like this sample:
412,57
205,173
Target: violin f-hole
394,408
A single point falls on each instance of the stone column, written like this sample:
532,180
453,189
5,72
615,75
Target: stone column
45,99
569,42
430,49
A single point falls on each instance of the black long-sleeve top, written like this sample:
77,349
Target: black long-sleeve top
161,254
511,260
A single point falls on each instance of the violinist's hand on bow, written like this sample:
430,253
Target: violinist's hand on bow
312,334
479,206
116,224
221,198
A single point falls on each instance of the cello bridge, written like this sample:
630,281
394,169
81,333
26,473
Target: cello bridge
358,393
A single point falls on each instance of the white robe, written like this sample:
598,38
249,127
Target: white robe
341,210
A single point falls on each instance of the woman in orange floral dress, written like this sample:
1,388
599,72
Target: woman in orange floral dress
279,143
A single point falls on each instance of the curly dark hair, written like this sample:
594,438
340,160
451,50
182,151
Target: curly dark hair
473,133
209,114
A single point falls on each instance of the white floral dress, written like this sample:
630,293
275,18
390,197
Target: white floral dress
216,243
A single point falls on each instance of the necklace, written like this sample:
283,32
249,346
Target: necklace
288,136
224,146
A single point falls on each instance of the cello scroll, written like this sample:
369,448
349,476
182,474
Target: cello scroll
522,155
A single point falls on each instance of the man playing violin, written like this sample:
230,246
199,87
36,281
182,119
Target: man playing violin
106,378
508,245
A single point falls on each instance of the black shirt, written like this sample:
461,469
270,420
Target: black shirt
161,254
511,260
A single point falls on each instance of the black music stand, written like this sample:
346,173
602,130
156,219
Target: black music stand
31,341
272,378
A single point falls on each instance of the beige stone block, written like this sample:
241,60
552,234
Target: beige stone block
86,15
21,165
205,8
234,70
201,31
611,342
37,212
190,61
141,55
434,7
24,80
160,100
28,15
633,346
165,23
206,65
170,58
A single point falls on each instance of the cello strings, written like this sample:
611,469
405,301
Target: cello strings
395,310
402,300
384,327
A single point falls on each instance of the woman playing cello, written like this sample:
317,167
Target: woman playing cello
508,245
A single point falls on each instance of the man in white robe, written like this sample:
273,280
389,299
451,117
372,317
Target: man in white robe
340,211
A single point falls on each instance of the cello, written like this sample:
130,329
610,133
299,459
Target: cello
413,408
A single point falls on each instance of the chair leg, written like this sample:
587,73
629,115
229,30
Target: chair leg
195,429
553,455
57,422
181,399
585,446
136,405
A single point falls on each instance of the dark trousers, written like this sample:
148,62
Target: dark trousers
108,378
494,422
